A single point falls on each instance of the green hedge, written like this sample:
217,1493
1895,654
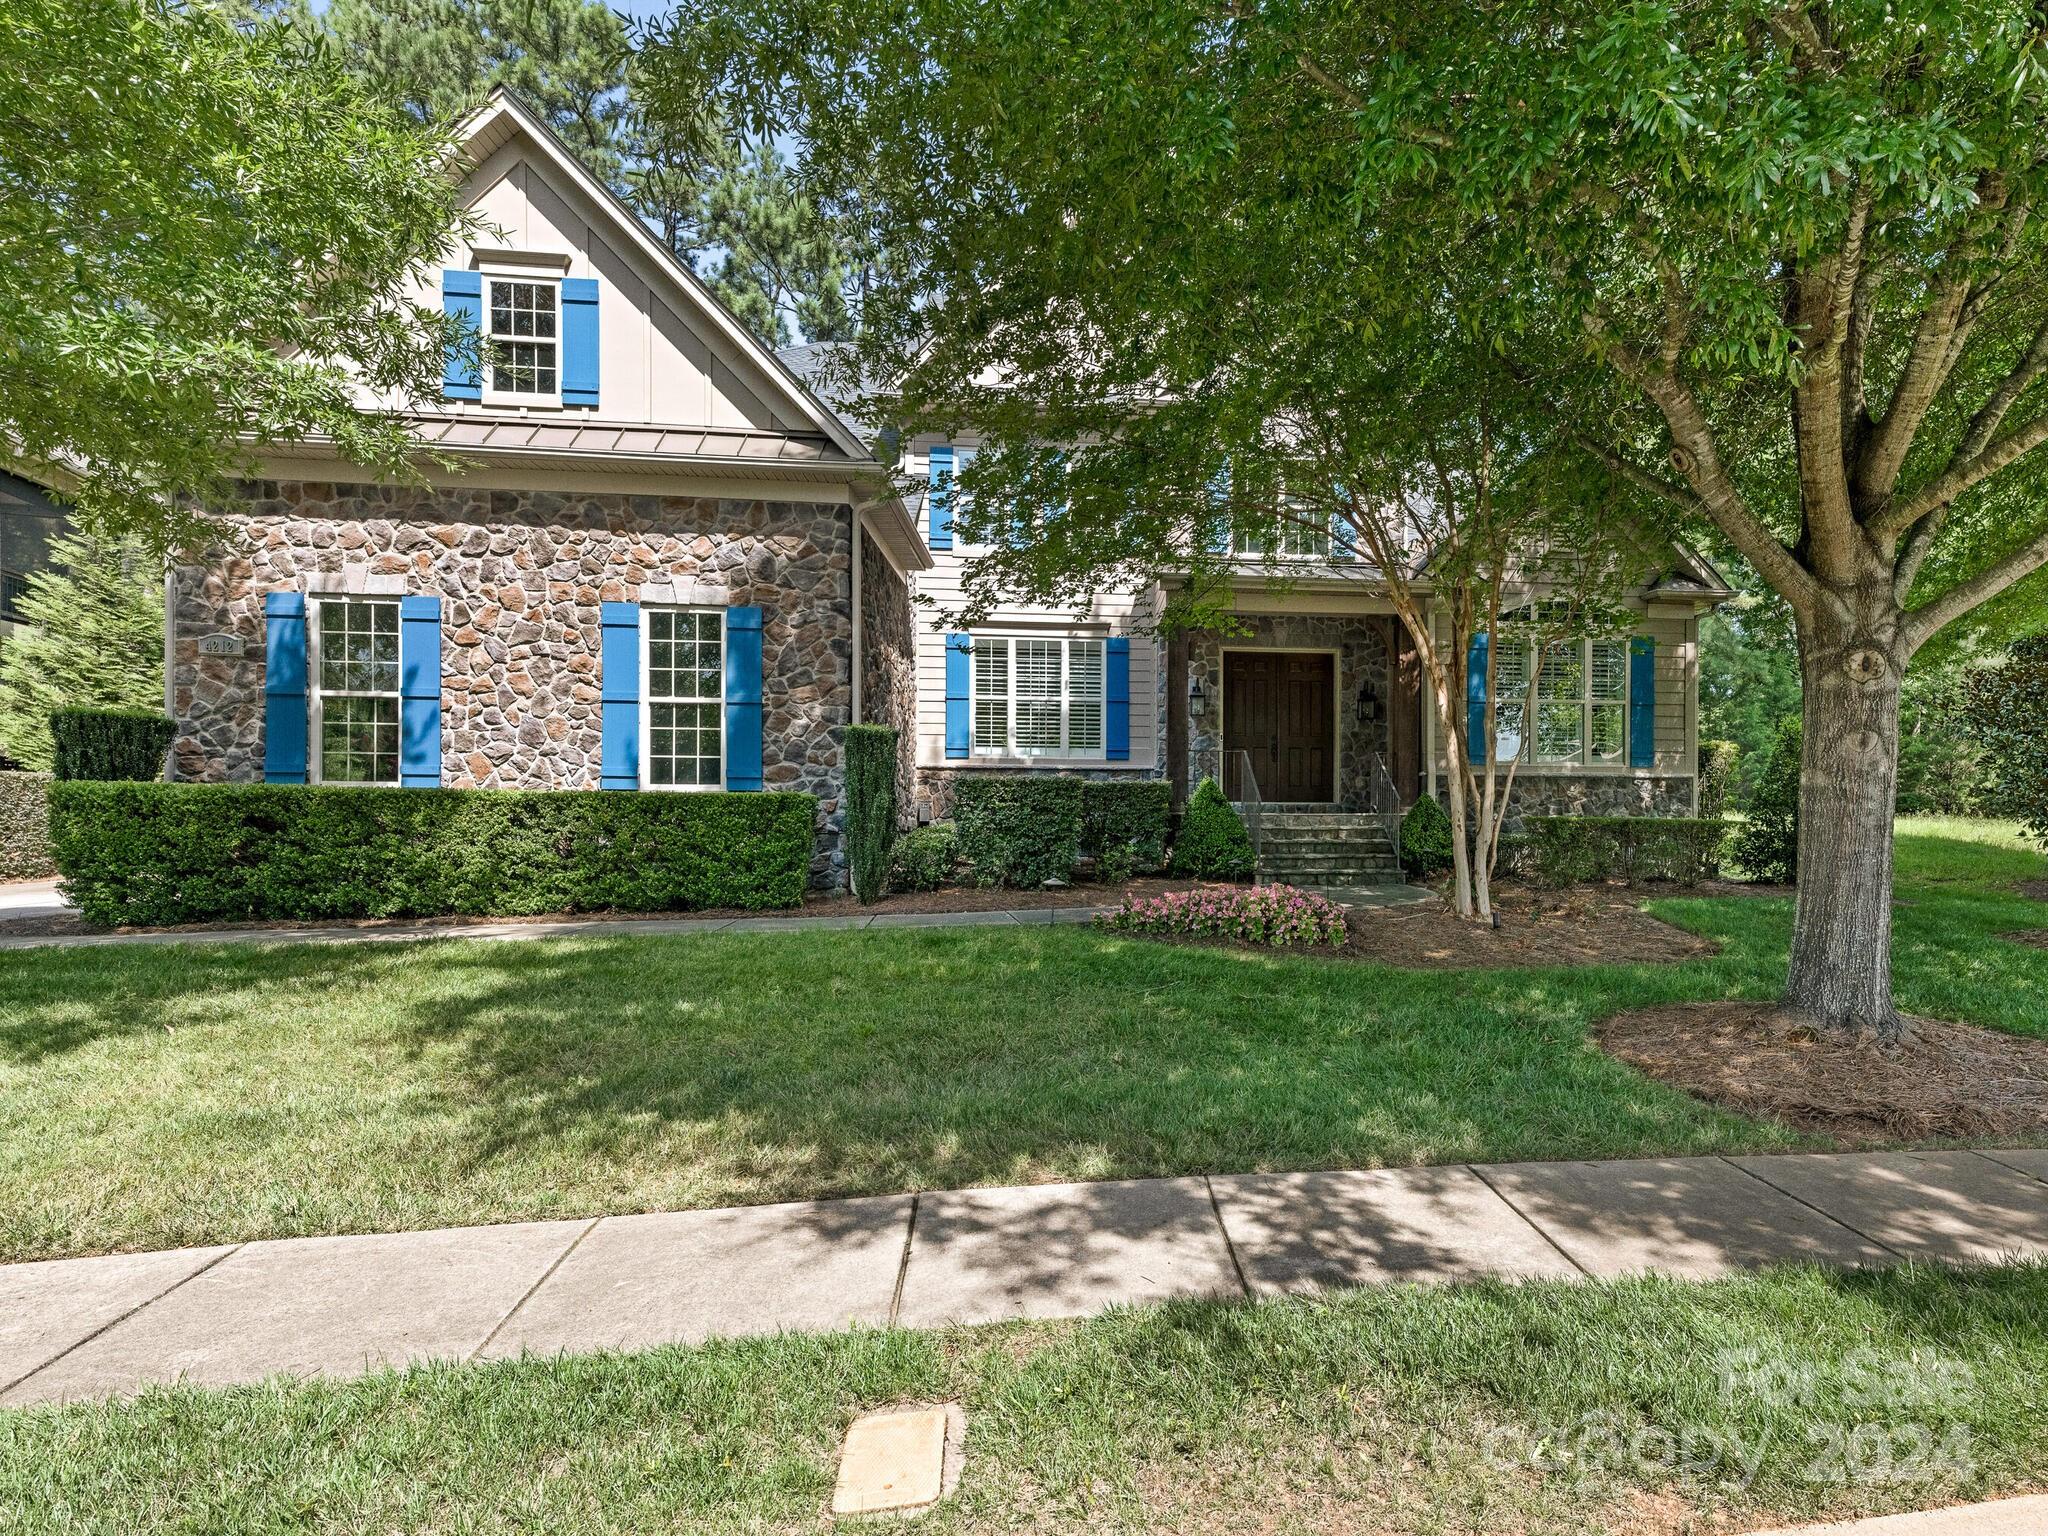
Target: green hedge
1124,825
25,826
1213,843
1767,843
924,858
1564,850
870,807
1018,830
1426,838
111,743
182,853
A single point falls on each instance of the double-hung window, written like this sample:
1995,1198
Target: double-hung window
523,348
355,691
685,694
1580,712
1288,537
1037,696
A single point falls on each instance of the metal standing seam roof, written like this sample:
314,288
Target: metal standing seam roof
605,440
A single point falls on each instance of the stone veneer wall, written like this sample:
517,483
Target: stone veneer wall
1600,794
888,659
1361,649
520,575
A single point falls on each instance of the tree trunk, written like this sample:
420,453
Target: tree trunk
1841,964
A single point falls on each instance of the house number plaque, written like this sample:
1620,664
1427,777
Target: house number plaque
220,645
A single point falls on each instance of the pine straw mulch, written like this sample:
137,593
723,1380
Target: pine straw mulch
1585,925
1943,1082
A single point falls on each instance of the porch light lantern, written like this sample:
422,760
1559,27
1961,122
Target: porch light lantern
1198,701
1369,709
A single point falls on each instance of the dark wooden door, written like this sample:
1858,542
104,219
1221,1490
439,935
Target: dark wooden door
1277,707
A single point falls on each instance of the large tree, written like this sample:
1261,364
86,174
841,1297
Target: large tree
205,232
1774,263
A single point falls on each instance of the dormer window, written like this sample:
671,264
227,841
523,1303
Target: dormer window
523,343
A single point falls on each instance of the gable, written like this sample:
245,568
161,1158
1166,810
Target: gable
668,355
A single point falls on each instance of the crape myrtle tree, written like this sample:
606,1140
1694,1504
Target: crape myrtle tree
206,231
1125,248
1778,263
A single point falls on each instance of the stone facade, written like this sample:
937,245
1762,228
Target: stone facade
1600,794
520,575
1362,656
888,659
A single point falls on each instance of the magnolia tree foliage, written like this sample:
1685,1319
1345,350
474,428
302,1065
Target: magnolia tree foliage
205,231
1775,264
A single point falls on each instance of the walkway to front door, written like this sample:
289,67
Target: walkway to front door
1280,708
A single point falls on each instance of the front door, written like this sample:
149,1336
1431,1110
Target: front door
1278,708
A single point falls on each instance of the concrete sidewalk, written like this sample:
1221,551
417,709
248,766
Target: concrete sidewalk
85,1328
2001,1517
45,901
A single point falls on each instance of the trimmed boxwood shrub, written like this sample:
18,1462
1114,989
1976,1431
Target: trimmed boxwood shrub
870,807
1124,826
1018,830
1767,845
1565,850
1426,838
925,857
111,743
1213,844
185,853
25,826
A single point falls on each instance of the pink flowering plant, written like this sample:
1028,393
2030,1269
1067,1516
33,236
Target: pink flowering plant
1276,915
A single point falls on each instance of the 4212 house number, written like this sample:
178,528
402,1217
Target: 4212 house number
220,645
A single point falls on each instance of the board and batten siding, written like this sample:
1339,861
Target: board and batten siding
940,591
657,363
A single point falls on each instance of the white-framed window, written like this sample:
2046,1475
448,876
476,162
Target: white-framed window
1037,696
1287,539
522,340
683,714
353,662
1580,713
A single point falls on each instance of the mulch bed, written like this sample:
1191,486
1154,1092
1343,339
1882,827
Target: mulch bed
2036,889
835,904
1943,1082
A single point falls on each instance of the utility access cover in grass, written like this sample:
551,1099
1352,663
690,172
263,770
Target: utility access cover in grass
897,1460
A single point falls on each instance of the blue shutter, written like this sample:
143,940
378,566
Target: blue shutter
743,698
1116,731
958,738
619,685
462,294
939,499
1475,701
579,341
284,688
1642,702
419,692
1219,504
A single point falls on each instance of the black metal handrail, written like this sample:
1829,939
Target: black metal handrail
1241,788
1385,801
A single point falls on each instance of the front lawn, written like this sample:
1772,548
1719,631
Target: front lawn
153,1097
1551,1410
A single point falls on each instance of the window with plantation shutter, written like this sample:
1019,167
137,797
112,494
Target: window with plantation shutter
1038,696
1580,711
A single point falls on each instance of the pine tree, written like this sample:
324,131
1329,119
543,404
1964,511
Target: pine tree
97,640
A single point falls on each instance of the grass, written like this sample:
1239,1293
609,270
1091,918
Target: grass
1395,1409
153,1097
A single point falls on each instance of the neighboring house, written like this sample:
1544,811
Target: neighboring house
666,566
1317,687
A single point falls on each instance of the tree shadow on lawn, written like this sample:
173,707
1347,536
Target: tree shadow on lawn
769,1068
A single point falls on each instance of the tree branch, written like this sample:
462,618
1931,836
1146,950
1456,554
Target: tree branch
1958,478
1930,618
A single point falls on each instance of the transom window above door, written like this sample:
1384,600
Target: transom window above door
355,691
523,341
685,693
1037,696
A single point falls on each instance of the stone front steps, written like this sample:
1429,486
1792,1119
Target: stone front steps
1326,848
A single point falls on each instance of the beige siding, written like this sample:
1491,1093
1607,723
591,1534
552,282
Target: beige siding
662,360
940,590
